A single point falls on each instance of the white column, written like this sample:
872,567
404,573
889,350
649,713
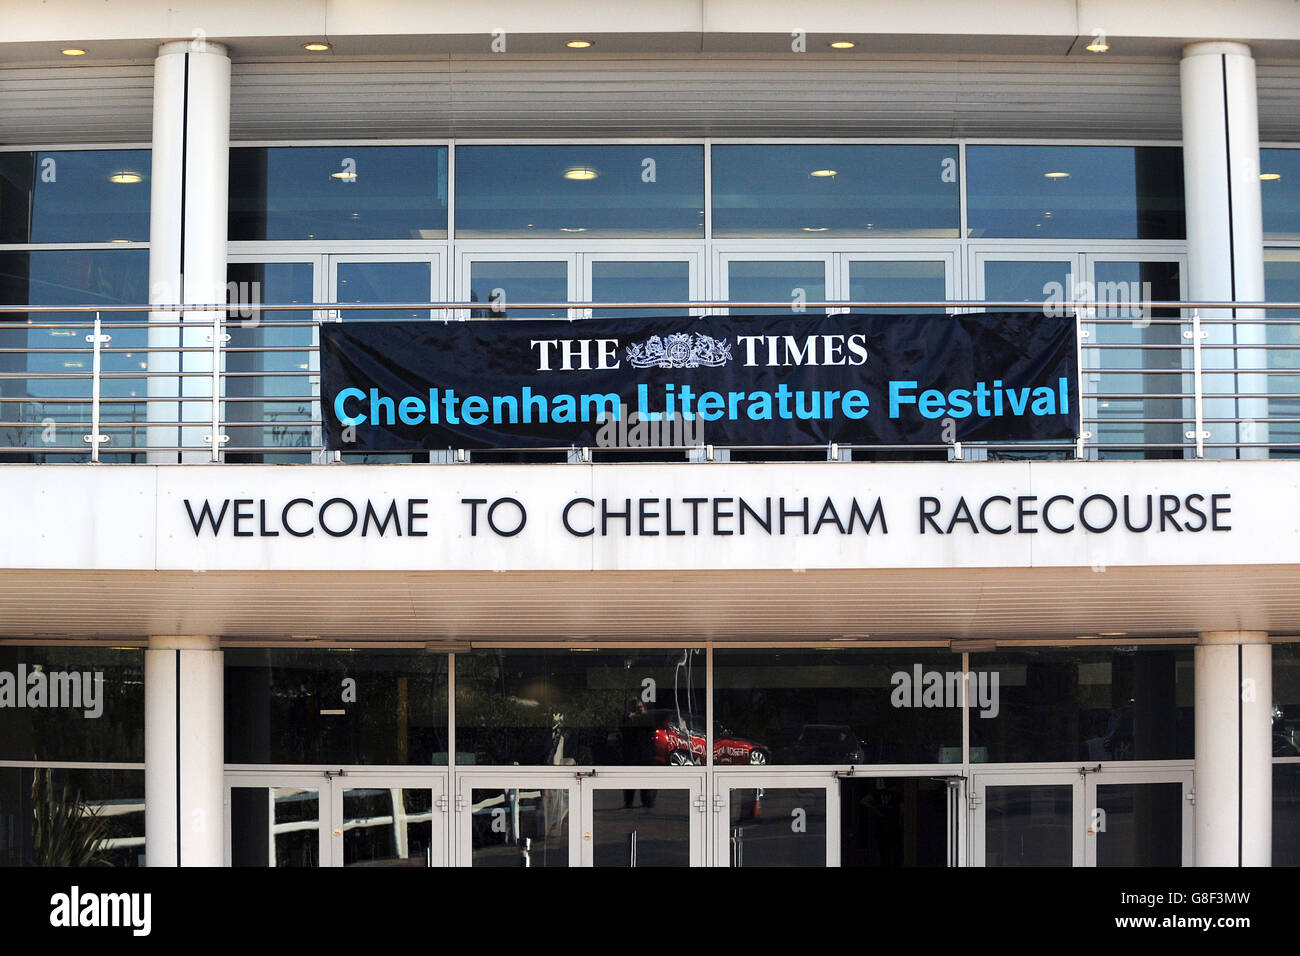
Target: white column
1233,778
187,234
184,752
1225,233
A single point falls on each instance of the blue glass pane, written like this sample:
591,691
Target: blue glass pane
338,192
898,280
1279,173
1077,192
814,190
501,283
383,282
639,282
557,192
75,196
1016,280
775,281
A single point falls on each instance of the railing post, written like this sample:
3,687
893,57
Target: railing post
96,339
1198,385
219,337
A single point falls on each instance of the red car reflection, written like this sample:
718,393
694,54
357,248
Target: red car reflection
677,744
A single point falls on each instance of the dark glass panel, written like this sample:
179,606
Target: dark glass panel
894,822
1143,824
383,827
102,810
274,826
1286,814
97,195
1279,189
652,831
777,827
520,828
1029,825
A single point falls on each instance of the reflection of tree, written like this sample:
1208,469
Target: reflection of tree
65,831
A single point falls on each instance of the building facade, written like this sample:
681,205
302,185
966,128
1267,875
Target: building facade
231,640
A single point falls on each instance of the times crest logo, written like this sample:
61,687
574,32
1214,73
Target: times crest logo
679,350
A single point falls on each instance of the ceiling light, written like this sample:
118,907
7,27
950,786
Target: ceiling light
73,51
579,44
345,175
842,44
1097,46
126,176
1270,177
581,173
1111,633
119,240
573,229
815,228
1056,175
824,173
316,46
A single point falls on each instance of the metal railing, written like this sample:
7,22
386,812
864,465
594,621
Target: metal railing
221,382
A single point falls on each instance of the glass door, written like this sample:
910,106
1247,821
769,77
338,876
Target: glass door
1139,818
277,819
898,277
498,278
639,277
900,821
1027,819
796,278
516,820
643,820
776,819
388,819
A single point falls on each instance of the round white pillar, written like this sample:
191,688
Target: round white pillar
1233,779
184,752
1225,233
187,236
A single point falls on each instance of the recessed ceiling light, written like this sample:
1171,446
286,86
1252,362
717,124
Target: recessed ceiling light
579,44
824,173
1056,175
1097,46
842,44
346,175
581,173
125,176
73,51
1270,177
1111,633
815,228
573,229
316,46
119,240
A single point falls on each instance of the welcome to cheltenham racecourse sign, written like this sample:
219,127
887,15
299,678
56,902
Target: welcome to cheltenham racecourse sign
743,380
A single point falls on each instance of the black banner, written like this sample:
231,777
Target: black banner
723,380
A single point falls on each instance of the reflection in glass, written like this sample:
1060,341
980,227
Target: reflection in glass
564,707
898,280
817,190
1075,192
1155,347
1027,280
653,830
338,192
383,282
383,827
579,191
833,707
1120,703
793,281
894,822
1029,826
645,281
99,195
335,706
1286,814
100,715
105,809
72,277
278,402
1140,824
778,827
1279,189
500,283
518,827
274,826
1282,284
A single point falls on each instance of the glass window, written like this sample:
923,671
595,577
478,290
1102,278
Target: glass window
1279,174
102,813
1282,284
501,283
338,192
1286,700
1286,814
338,706
861,706
71,703
1121,703
835,191
764,280
1075,192
513,828
75,196
639,281
384,282
898,280
586,191
72,277
564,707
